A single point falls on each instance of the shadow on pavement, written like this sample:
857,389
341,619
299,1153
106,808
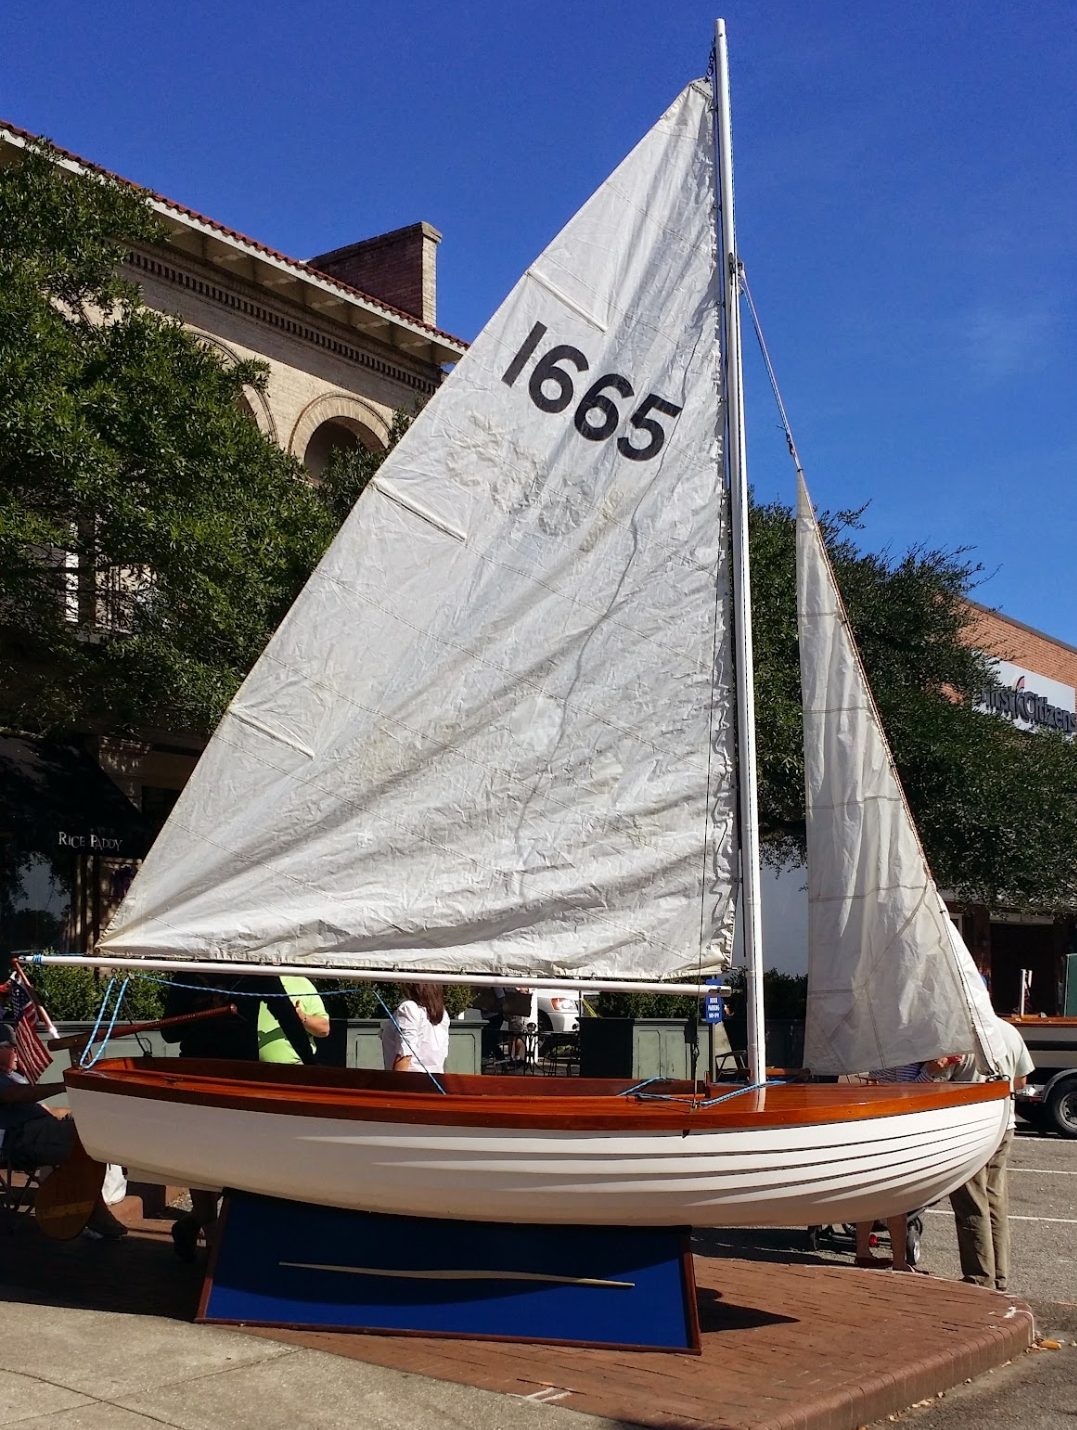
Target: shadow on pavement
139,1275
763,1243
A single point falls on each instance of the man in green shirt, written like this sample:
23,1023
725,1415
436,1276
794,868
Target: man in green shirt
273,1044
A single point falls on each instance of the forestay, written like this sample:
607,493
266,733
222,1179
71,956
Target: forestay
493,733
890,981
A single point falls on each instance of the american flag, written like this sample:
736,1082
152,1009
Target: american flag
34,1057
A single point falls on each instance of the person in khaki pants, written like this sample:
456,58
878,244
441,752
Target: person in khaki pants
982,1205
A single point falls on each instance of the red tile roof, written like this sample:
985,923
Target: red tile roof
302,269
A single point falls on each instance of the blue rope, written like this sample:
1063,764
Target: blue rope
635,1088
112,1023
245,992
241,992
101,1011
34,957
739,1091
706,1102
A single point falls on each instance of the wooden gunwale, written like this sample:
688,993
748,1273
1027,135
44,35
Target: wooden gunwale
1033,1020
528,1104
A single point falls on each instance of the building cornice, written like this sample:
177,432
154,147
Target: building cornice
250,301
215,244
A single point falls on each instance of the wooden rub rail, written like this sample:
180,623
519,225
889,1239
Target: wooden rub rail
569,1104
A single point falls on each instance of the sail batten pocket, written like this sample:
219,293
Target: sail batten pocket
423,513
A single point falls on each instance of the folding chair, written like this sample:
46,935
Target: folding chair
18,1183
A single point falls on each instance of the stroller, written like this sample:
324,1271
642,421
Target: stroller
842,1237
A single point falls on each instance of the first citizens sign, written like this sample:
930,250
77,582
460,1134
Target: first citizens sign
1031,701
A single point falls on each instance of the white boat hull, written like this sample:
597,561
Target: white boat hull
777,1175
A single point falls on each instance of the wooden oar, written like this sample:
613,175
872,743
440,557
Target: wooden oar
123,1030
65,1200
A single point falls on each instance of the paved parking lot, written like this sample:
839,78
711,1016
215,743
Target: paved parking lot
1039,1390
1043,1228
1043,1213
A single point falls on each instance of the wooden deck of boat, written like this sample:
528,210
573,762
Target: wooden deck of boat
556,1103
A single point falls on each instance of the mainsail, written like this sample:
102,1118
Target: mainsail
493,734
890,981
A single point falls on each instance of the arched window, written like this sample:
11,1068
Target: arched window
332,422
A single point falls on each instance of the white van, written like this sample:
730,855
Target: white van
557,1011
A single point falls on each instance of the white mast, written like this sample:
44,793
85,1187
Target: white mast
742,595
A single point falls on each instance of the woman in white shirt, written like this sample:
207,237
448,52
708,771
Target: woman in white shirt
416,1038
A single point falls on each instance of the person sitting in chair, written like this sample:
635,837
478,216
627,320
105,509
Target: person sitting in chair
32,1137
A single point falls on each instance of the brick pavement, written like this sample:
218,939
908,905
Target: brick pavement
785,1347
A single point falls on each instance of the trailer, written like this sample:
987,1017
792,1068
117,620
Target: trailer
1049,1100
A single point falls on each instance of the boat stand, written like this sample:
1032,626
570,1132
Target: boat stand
278,1263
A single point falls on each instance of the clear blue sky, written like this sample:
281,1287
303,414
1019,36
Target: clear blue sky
906,189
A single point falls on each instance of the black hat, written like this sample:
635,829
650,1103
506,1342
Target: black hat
7,1033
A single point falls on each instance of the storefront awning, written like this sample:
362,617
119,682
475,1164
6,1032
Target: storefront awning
54,796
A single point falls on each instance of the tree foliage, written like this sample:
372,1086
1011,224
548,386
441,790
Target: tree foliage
349,470
996,806
150,536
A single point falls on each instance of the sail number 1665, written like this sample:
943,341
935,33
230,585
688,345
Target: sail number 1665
597,415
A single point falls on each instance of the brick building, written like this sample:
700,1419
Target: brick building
1039,680
349,338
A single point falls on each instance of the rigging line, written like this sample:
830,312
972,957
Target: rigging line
772,376
694,1103
100,1013
974,1018
638,1087
83,1063
234,992
246,992
739,1091
406,1043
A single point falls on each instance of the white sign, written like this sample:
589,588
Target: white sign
1031,701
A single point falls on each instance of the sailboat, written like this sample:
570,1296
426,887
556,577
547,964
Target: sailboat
506,735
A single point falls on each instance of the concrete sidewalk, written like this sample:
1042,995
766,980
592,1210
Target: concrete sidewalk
76,1369
100,1336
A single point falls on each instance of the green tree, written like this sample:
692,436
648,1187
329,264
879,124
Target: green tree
996,806
151,538
349,469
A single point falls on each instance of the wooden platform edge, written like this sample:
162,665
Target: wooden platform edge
894,1391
